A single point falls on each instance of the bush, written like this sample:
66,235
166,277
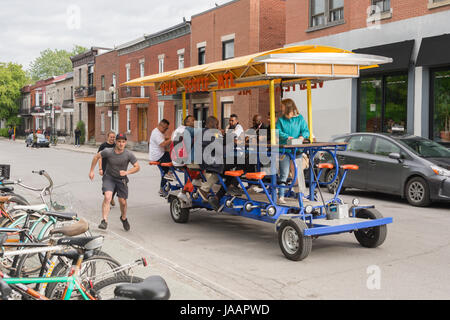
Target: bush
4,132
82,127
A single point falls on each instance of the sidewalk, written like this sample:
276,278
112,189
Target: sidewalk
85,149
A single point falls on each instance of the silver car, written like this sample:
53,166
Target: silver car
412,167
42,141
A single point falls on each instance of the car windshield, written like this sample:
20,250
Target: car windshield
425,148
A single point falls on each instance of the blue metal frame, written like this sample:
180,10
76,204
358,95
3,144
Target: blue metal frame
270,191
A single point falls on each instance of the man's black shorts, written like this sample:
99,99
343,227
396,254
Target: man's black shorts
118,185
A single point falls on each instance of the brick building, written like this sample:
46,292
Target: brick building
237,28
84,90
38,99
409,92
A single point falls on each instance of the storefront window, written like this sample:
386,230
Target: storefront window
396,103
370,104
441,106
383,103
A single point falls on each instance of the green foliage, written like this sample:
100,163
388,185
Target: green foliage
12,79
4,132
82,127
53,62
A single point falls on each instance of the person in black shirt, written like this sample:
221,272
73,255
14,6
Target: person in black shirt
110,143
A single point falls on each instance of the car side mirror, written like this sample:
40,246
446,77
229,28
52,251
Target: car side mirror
396,156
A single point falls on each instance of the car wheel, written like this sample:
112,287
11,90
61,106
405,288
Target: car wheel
417,192
333,187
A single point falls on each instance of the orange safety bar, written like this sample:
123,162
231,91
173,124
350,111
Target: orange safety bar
167,164
234,173
154,163
255,175
325,166
350,167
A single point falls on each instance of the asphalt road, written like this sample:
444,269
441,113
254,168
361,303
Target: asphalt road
217,256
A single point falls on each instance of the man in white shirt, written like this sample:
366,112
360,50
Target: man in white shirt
158,143
234,127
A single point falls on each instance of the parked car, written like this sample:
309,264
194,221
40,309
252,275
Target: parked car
412,167
42,141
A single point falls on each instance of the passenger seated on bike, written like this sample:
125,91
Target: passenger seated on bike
290,126
213,162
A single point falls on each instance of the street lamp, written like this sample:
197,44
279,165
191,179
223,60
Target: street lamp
112,89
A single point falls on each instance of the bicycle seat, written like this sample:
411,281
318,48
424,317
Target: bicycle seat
152,288
37,207
72,230
61,215
87,243
6,189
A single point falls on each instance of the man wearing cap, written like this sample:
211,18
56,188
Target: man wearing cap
116,178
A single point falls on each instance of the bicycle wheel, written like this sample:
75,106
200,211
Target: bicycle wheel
101,265
104,290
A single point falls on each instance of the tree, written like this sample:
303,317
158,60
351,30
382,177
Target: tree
12,79
53,62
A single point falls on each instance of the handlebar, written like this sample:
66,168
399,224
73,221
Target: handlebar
42,190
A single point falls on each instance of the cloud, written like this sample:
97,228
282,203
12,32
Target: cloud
29,27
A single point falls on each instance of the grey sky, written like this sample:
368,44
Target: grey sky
28,27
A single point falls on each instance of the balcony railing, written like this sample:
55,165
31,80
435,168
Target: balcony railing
134,92
84,92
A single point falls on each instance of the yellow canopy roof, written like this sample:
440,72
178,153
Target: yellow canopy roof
243,62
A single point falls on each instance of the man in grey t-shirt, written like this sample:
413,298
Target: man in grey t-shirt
115,179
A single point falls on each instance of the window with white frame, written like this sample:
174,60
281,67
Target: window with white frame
181,61
128,72
115,123
142,74
128,119
114,80
160,111
383,5
102,122
228,49
325,12
161,63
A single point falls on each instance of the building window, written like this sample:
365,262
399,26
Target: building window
160,111
142,74
102,122
161,64
115,123
324,12
103,82
201,55
226,113
181,61
383,103
128,119
79,77
227,49
128,73
440,106
114,80
178,116
383,5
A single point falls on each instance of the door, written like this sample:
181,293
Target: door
91,122
142,125
358,152
385,174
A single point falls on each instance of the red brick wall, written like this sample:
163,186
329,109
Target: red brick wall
106,65
355,15
151,66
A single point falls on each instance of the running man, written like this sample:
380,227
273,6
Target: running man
116,178
110,143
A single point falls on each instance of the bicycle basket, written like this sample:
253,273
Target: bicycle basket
5,171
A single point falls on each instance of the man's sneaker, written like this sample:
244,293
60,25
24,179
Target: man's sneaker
125,223
103,225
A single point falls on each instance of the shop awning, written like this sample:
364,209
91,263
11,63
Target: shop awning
296,63
400,52
434,51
